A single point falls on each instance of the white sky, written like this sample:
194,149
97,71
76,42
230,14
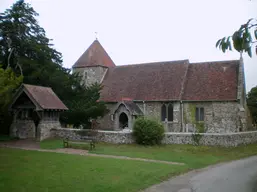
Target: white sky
139,31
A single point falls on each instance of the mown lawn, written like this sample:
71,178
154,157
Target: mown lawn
193,156
31,171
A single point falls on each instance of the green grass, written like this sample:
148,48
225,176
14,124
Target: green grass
193,156
51,144
31,171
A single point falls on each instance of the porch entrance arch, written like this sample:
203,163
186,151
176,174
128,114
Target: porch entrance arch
123,120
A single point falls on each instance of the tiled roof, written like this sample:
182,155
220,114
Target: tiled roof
133,108
45,97
152,81
162,81
212,81
95,55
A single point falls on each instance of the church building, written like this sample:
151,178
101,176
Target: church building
180,94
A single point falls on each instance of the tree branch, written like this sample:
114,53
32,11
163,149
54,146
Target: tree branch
253,25
9,56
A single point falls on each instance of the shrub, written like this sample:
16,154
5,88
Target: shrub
197,136
148,132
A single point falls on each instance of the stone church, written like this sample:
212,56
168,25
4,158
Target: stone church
180,94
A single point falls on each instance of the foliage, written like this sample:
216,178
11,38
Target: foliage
243,39
86,106
199,126
252,103
41,64
9,82
197,136
148,132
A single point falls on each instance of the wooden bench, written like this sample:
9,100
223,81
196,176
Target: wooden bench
89,138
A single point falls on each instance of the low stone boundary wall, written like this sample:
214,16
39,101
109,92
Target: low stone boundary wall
116,137
211,139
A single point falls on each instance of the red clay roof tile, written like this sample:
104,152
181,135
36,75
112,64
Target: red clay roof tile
212,81
95,55
152,81
45,97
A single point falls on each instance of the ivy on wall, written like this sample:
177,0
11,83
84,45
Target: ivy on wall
199,126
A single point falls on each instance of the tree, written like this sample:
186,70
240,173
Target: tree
252,103
34,56
86,108
244,39
9,82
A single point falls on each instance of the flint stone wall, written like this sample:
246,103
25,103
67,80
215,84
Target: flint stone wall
45,129
23,129
211,139
115,137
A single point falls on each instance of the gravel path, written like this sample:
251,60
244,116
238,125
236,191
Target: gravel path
235,176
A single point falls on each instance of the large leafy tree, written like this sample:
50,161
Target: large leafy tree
25,48
243,40
252,103
9,82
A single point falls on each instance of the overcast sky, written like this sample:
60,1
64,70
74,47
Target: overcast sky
140,31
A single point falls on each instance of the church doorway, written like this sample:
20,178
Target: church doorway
36,120
123,121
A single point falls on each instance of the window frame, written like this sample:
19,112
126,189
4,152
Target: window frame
199,114
163,112
165,115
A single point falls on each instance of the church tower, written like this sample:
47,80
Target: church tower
93,64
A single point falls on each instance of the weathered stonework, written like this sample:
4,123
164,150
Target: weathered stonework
219,117
210,139
92,74
122,109
44,129
115,137
23,129
213,139
152,110
106,122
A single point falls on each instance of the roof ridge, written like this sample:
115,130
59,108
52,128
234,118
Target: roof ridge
36,85
94,55
153,63
217,61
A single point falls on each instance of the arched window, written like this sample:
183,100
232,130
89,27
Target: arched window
170,112
164,112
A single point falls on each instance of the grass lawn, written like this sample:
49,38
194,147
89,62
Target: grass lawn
30,171
193,156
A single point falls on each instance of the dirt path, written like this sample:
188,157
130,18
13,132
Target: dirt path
34,146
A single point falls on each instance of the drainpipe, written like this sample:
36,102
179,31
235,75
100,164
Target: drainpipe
182,116
144,107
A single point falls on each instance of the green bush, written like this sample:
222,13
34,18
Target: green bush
148,132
